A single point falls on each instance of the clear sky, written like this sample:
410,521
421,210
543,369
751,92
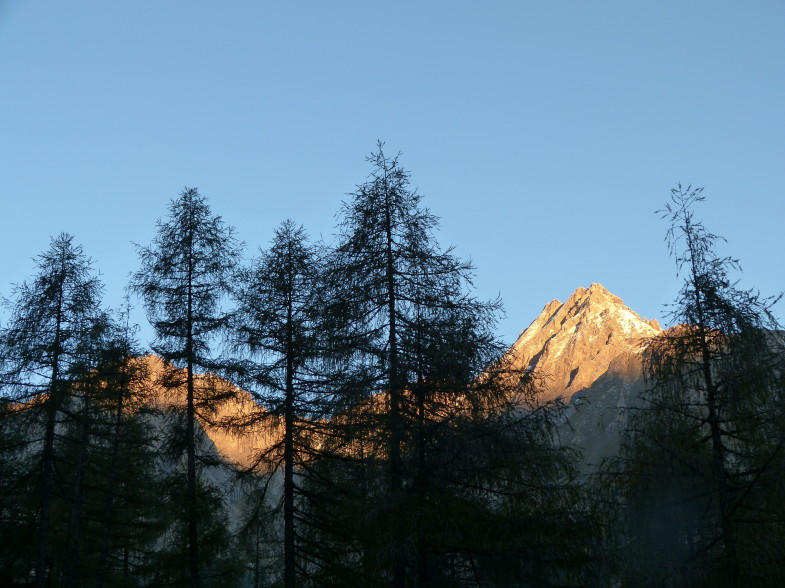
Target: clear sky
543,134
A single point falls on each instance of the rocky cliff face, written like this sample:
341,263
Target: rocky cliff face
588,352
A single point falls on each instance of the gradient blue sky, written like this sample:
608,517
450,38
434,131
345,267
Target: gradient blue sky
544,134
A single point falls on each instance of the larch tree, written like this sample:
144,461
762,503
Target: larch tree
184,278
128,511
702,470
381,269
276,329
45,348
415,491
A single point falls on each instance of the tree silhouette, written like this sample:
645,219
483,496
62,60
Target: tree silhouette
277,327
184,276
413,478
46,347
710,432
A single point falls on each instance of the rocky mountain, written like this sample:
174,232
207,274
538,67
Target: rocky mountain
588,352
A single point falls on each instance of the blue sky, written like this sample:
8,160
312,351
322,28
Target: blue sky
544,134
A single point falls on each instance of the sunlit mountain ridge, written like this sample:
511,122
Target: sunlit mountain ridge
586,351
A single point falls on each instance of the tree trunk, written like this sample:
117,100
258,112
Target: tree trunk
288,455
421,488
719,473
71,572
190,417
113,465
47,455
396,435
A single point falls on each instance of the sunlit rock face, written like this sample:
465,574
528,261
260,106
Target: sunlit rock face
588,352
574,343
234,426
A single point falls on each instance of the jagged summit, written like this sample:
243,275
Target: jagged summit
572,344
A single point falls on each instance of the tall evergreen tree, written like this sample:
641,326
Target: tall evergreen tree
112,514
46,347
389,267
277,329
184,277
414,477
710,433
128,508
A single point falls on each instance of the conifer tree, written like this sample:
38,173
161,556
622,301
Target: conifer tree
702,476
385,261
45,349
128,507
413,479
277,330
184,277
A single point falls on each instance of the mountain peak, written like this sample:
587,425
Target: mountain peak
592,299
571,344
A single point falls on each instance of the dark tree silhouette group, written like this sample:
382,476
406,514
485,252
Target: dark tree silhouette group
394,440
